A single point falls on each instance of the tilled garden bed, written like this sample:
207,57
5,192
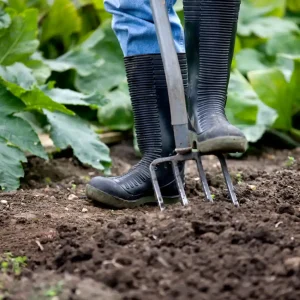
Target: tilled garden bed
75,249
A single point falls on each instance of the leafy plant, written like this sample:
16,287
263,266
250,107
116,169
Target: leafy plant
62,72
54,291
11,264
27,94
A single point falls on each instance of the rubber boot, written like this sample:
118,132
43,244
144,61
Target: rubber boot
210,30
150,103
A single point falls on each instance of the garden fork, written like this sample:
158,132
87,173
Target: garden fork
184,150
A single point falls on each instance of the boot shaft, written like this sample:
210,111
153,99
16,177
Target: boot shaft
210,27
150,103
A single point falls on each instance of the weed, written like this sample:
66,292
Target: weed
48,180
239,178
290,161
9,263
55,290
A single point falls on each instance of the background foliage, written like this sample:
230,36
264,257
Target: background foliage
61,71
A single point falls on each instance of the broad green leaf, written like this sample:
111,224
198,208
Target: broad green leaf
277,7
272,89
11,169
267,27
117,113
18,5
19,41
69,97
294,83
37,120
19,133
9,103
19,80
5,21
62,20
40,71
250,60
245,110
250,12
18,74
83,61
81,58
293,5
284,43
111,73
73,131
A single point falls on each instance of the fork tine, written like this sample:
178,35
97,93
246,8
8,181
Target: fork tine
228,180
179,182
157,191
203,178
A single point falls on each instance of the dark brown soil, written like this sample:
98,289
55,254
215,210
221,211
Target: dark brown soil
78,250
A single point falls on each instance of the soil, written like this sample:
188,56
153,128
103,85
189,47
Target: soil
78,250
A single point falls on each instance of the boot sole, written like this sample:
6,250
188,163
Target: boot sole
226,144
109,200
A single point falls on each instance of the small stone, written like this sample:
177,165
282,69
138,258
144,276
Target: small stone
72,197
5,202
52,198
136,234
292,264
84,210
66,209
252,187
26,216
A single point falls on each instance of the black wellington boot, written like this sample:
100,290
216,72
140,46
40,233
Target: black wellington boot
210,29
150,103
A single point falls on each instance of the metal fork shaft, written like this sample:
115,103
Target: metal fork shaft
203,178
228,180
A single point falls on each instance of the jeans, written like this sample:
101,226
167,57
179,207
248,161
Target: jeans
134,27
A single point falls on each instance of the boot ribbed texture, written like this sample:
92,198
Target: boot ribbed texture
213,24
148,92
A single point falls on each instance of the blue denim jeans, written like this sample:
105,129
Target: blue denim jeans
134,27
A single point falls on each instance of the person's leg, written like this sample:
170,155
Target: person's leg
134,27
210,30
133,24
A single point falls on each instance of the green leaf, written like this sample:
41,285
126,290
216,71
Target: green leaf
11,169
81,58
9,103
69,97
73,131
111,73
250,60
293,86
245,110
272,88
18,74
267,27
275,7
293,5
37,120
5,21
19,80
19,133
40,71
19,41
18,5
117,113
284,43
62,20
